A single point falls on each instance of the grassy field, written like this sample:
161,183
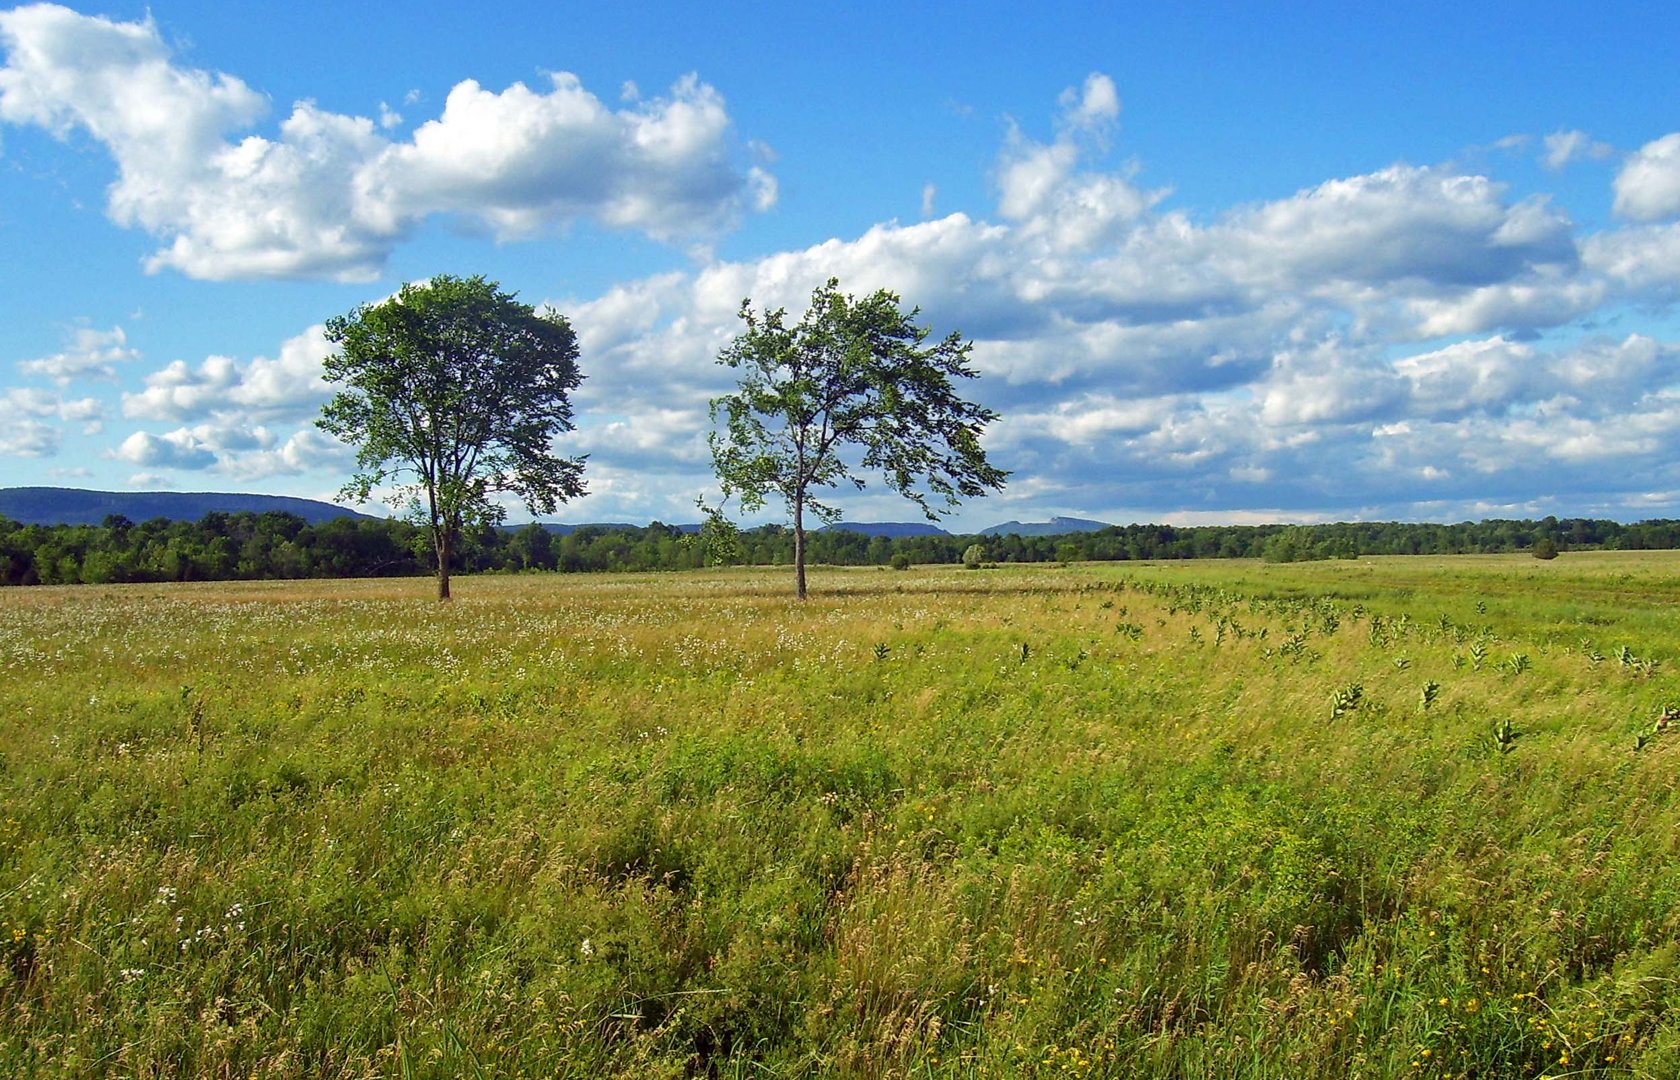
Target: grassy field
1378,818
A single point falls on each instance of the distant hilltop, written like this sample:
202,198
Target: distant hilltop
561,528
73,506
887,528
1056,526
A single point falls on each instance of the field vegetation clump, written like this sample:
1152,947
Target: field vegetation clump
1359,818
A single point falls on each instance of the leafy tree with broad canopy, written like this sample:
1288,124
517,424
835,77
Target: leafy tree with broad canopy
850,387
454,391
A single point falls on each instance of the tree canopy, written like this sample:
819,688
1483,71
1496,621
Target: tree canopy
850,388
452,393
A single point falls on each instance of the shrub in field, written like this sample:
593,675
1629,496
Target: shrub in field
973,557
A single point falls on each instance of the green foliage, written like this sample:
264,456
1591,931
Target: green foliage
282,545
719,539
453,392
851,376
900,561
1545,548
973,556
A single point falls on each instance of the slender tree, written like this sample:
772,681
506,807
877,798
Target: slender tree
453,391
852,387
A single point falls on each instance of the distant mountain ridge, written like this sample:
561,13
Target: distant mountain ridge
888,529
561,528
1056,526
75,506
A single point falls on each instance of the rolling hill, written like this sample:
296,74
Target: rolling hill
1056,526
74,506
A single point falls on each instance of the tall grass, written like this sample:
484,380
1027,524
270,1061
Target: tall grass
1099,821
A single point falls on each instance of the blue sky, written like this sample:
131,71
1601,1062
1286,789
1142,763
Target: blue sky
1244,262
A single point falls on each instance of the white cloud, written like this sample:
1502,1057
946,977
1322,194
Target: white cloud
174,450
235,415
26,436
1639,257
1428,226
524,161
1648,186
1095,416
1042,187
1094,107
1564,147
331,194
303,451
91,354
288,386
150,481
1468,376
654,437
1548,297
34,402
1326,383
27,416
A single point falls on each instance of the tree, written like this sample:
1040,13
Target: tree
852,377
454,391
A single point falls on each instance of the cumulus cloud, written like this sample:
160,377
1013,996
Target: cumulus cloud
30,420
303,451
234,415
288,386
91,354
42,403
1639,258
28,436
523,160
1093,107
1648,185
330,195
1403,224
1161,305
1042,187
173,450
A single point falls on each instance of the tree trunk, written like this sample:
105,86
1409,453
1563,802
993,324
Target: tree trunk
443,564
799,545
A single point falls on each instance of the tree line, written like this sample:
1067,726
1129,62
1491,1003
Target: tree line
278,545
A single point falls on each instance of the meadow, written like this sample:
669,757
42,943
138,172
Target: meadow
1385,817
